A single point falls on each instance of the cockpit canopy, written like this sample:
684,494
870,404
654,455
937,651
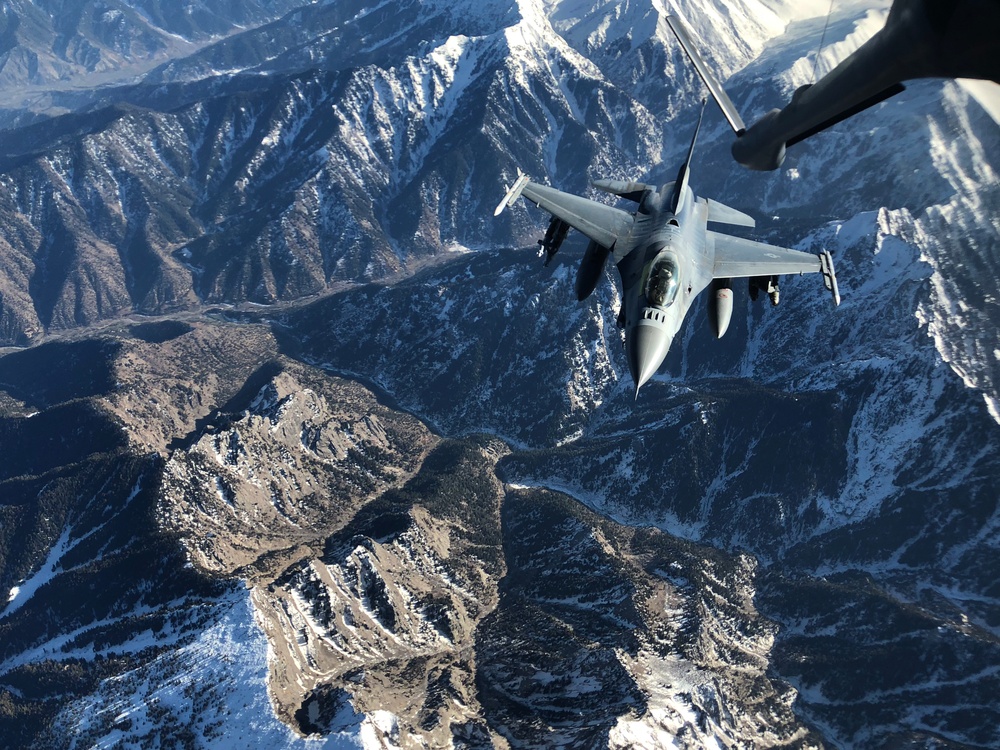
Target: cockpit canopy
661,288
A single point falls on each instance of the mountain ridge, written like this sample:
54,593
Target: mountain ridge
426,507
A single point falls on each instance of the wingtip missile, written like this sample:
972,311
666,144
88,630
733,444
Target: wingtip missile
829,276
513,194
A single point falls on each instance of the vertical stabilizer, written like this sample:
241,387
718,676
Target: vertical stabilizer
681,183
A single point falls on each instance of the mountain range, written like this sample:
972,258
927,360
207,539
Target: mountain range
304,448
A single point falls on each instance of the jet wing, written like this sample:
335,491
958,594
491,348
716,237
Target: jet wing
603,224
736,257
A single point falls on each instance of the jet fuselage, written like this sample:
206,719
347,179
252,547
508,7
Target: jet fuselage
667,262
665,254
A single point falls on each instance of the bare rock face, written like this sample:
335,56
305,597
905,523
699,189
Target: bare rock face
172,376
384,620
296,463
459,611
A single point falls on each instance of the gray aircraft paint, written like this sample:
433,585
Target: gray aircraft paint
670,225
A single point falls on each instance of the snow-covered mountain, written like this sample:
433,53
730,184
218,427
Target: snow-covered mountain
423,508
50,46
287,179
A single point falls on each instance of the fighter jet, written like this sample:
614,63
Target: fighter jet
920,39
666,255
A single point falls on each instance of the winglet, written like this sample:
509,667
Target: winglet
513,194
714,87
829,275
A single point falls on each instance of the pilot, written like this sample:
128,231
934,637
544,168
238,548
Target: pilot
662,284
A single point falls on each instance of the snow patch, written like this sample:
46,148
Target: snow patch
215,686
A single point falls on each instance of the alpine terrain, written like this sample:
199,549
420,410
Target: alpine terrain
303,448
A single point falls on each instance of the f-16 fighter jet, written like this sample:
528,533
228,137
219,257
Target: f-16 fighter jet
666,255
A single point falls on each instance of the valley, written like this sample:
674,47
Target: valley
302,447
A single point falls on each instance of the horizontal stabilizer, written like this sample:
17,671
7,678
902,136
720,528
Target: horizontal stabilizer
723,214
715,88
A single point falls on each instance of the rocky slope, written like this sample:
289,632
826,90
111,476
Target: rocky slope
344,162
52,52
404,590
429,511
101,534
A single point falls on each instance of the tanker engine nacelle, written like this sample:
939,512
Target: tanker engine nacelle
720,306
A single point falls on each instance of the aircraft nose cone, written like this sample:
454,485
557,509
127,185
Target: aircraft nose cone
647,346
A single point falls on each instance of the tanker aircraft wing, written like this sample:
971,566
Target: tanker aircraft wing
920,39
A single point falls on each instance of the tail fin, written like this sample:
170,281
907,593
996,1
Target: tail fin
714,87
682,176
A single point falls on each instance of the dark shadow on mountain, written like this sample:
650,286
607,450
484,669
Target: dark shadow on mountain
221,418
295,343
548,652
54,264
56,437
160,332
325,710
52,373
845,638
467,345
22,145
251,387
